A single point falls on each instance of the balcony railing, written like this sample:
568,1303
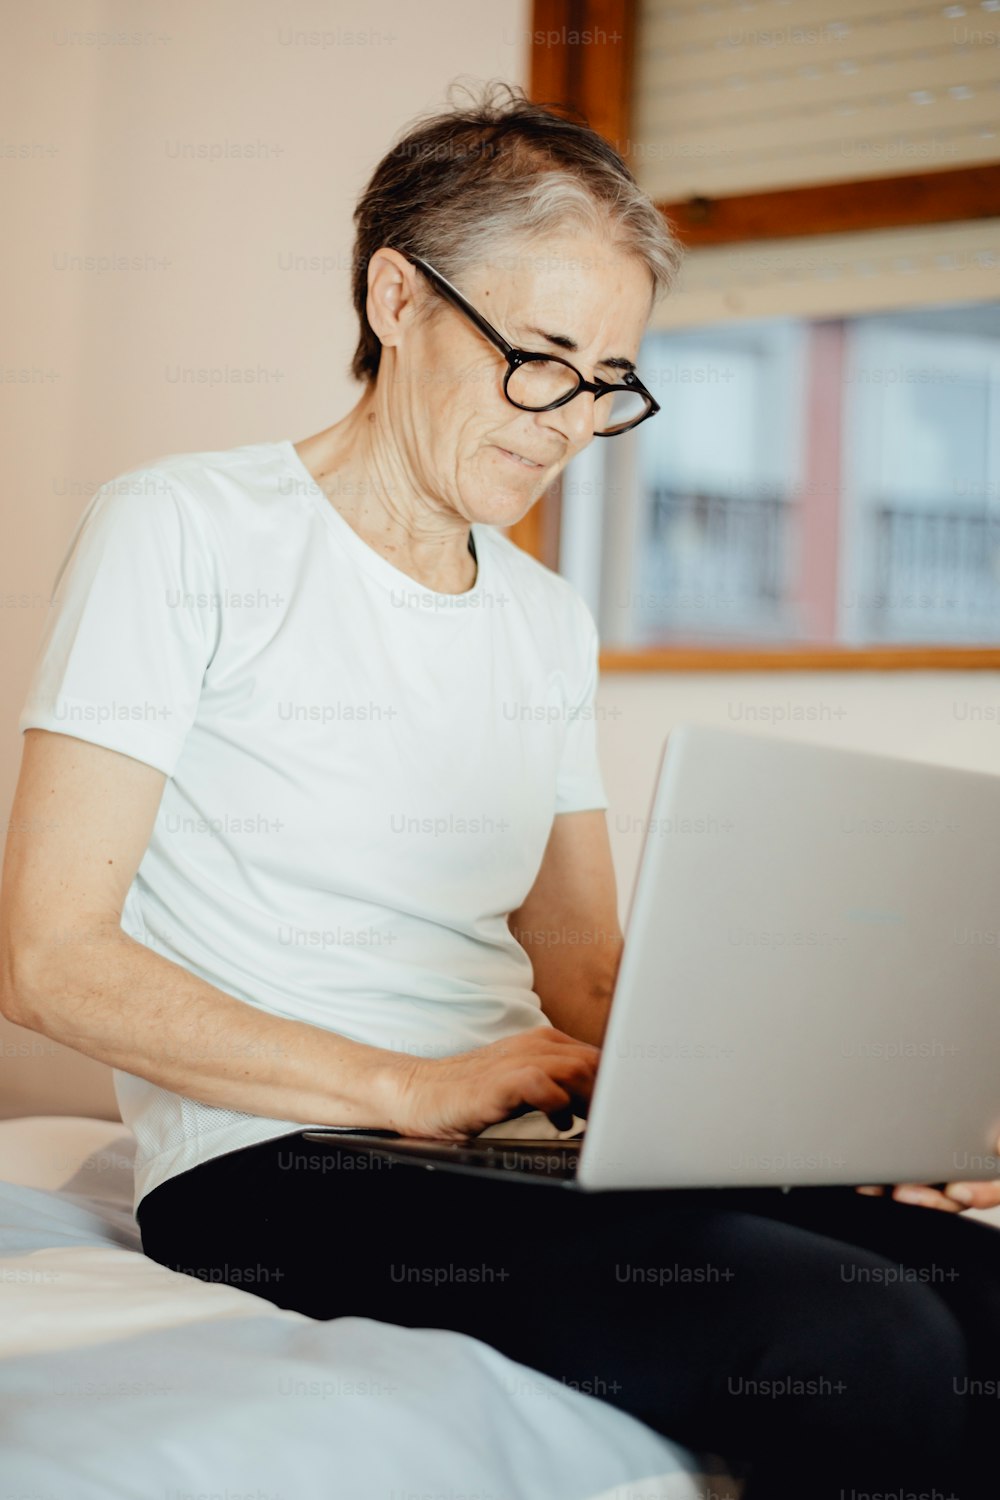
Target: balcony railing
934,574
715,566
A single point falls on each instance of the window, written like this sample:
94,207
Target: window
820,175
833,481
920,539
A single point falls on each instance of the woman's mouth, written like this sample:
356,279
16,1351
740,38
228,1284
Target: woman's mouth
518,458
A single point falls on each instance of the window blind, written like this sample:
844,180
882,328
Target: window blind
740,96
837,275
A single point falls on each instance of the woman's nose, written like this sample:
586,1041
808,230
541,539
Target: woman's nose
575,420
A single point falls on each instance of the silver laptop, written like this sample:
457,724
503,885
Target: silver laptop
809,991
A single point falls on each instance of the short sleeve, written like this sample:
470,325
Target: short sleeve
131,626
579,785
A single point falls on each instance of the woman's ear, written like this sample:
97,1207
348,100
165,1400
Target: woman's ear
392,295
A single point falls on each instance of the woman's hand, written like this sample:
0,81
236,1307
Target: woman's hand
955,1197
456,1097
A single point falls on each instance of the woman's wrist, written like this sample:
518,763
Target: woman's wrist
380,1088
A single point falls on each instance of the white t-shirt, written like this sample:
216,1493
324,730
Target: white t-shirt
362,773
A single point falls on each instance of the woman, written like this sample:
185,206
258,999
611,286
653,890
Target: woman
292,802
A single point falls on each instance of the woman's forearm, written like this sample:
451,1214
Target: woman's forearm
111,997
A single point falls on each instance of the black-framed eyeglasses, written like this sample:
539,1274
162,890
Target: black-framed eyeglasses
541,382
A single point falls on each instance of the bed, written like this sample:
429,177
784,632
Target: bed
119,1378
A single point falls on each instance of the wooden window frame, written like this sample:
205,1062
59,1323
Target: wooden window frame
581,55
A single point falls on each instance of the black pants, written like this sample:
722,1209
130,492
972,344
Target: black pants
821,1341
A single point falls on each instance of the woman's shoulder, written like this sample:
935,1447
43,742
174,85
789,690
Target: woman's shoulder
205,473
538,586
208,490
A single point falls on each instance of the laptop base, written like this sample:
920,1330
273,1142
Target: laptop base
515,1159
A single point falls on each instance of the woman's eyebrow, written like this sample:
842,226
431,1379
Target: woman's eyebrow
563,341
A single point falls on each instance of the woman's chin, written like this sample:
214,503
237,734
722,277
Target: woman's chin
502,511
501,500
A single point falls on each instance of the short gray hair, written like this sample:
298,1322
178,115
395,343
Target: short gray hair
464,183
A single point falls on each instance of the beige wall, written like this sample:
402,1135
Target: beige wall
102,120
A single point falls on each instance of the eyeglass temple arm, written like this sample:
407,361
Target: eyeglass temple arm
454,295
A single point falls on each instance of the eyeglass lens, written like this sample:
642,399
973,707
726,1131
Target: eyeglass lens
542,381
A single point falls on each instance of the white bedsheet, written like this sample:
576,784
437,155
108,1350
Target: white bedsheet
119,1378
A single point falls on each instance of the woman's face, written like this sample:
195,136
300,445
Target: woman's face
445,379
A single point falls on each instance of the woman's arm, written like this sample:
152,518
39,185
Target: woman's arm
568,925
80,824
79,827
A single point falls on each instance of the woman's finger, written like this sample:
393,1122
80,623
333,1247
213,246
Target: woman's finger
975,1194
926,1197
